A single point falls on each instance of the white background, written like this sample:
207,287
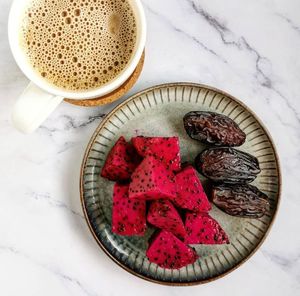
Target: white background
247,48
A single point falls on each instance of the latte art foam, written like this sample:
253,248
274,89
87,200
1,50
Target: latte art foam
78,44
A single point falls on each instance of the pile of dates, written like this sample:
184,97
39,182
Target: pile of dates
229,169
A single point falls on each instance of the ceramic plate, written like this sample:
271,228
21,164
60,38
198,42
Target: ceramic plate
158,111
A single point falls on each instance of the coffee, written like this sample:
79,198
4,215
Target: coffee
78,45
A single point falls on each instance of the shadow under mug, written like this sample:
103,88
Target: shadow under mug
40,98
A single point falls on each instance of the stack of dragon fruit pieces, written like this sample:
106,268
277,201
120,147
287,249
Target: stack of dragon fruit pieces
149,170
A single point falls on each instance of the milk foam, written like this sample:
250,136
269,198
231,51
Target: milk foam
79,44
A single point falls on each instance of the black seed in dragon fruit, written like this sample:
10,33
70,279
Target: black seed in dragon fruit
128,215
190,193
167,251
151,180
201,228
163,148
120,162
163,215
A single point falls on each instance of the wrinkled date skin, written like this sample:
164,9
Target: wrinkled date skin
213,128
240,200
227,165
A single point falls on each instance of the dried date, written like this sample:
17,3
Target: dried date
240,200
227,165
213,128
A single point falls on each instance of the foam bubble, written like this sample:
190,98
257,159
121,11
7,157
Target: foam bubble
95,37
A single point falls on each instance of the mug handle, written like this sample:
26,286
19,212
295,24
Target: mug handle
33,107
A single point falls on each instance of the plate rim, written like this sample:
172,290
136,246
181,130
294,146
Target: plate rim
87,151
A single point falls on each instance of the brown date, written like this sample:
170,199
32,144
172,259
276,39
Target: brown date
240,200
227,165
213,128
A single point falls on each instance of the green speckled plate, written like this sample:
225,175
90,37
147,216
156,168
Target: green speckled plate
158,111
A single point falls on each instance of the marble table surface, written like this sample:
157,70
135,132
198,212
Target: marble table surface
247,48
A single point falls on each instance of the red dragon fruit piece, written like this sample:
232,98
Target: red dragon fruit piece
167,251
163,214
151,180
128,215
165,149
190,193
203,229
120,162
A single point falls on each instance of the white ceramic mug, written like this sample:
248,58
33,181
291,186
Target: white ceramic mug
40,98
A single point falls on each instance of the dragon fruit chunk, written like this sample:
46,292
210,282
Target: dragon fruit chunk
203,229
190,193
167,251
163,214
120,162
165,149
151,180
128,215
